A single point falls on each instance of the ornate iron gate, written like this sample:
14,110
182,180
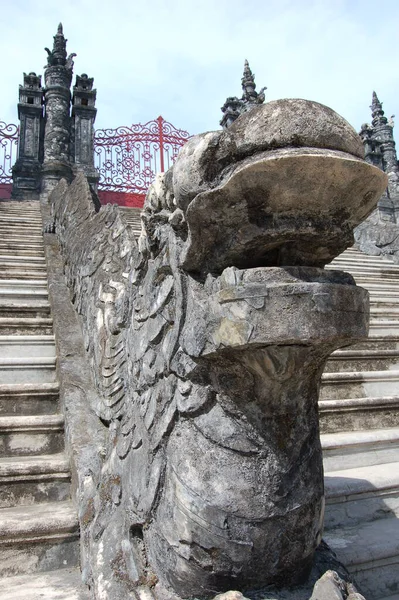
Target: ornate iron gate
8,155
128,158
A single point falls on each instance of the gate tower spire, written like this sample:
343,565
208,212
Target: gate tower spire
57,102
234,107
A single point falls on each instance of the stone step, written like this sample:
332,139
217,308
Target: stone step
23,266
28,369
384,301
28,213
11,238
31,435
375,342
29,479
354,414
359,384
40,260
63,584
370,551
366,267
21,251
25,273
23,243
363,360
20,309
29,399
384,310
352,449
27,345
379,295
39,537
372,273
19,295
353,260
377,282
20,229
386,329
26,287
19,217
361,494
29,247
24,325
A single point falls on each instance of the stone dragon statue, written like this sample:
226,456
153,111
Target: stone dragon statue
207,337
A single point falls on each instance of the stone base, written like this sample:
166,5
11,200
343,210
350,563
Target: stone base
26,180
328,580
53,172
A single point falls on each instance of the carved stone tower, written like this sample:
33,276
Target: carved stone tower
234,107
57,101
53,142
379,147
82,132
26,171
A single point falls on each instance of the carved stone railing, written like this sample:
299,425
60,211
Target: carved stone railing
207,338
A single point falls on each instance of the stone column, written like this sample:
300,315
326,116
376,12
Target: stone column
26,171
383,133
83,117
379,147
234,107
57,133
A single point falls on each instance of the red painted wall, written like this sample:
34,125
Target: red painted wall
121,198
5,191
106,197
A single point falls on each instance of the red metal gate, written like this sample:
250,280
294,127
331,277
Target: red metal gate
128,158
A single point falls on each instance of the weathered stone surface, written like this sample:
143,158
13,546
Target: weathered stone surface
26,171
378,237
283,177
53,141
379,234
207,371
329,587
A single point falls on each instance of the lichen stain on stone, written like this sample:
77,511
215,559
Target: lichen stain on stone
232,333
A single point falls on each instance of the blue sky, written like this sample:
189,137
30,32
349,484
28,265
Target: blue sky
182,58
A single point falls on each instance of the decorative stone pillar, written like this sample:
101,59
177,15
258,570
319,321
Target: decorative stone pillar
83,117
379,147
57,133
383,133
26,171
234,107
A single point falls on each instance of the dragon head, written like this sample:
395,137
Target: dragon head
285,185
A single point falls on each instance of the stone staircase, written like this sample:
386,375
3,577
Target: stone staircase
359,419
39,534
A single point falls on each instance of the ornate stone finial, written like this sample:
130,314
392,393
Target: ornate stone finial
83,82
376,111
32,81
58,56
234,107
248,82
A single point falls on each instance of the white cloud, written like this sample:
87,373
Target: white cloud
182,58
